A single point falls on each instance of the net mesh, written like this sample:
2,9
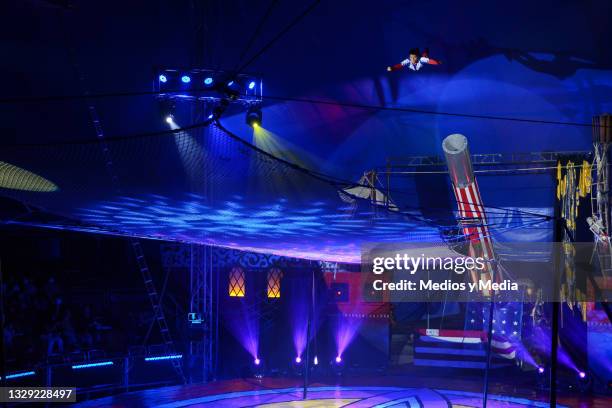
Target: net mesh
204,186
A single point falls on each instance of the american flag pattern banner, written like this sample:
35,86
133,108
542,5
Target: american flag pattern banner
464,349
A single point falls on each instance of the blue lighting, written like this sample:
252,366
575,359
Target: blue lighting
168,357
208,81
89,365
210,116
304,220
186,79
18,375
252,85
162,78
230,83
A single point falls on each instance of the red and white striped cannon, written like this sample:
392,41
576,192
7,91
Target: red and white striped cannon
472,214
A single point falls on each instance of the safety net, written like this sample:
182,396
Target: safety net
201,185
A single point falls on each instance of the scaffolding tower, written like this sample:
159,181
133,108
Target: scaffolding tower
599,222
201,318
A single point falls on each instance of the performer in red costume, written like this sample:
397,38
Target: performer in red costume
414,62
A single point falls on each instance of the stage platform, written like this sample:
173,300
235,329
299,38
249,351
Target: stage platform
378,392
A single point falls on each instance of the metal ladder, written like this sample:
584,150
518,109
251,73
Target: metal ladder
108,162
158,312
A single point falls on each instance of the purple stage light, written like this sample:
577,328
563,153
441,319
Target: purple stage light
541,370
257,361
582,374
522,353
299,334
243,323
299,318
345,332
300,308
298,359
542,343
338,360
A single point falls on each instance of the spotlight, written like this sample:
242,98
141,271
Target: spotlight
252,85
230,83
316,361
258,368
584,382
298,367
186,79
167,109
254,116
208,81
338,366
162,78
211,116
540,370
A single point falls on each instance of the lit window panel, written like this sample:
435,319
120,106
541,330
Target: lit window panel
237,282
274,282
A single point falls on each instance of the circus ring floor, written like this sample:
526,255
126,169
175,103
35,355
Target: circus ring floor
276,393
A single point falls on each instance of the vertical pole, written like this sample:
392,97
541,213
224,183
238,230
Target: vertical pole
2,345
485,395
192,354
217,322
202,307
308,328
559,231
126,373
388,180
48,376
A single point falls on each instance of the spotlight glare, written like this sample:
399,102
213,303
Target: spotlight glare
338,359
208,81
582,374
162,78
541,370
210,116
316,360
252,85
230,83
257,361
169,119
298,359
254,116
186,79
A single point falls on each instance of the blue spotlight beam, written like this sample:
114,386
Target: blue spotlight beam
91,365
168,357
19,375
